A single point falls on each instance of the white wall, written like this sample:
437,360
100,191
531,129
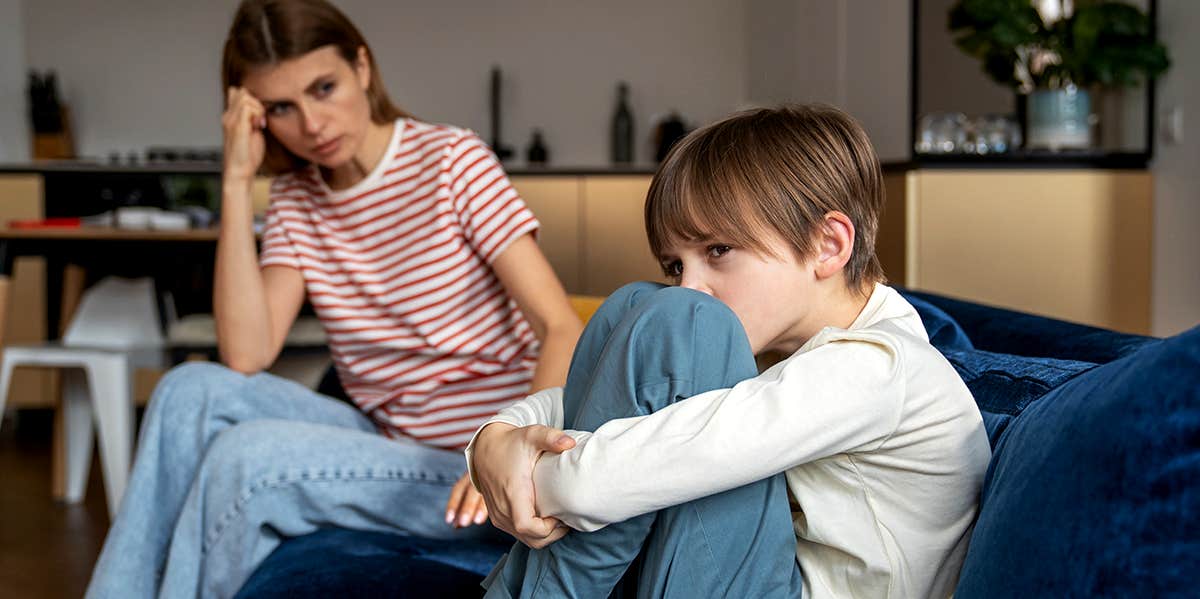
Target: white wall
140,72
853,55
1176,186
14,116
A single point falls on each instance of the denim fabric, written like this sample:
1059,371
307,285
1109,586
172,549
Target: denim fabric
350,563
944,332
1092,491
644,349
1009,332
227,465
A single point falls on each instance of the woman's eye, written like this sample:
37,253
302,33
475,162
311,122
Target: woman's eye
277,110
716,251
325,88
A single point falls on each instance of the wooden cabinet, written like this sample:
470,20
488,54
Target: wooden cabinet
557,203
21,198
592,231
615,250
1070,244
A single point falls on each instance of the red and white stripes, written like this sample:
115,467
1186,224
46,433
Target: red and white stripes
398,269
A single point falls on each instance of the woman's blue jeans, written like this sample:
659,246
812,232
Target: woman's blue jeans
229,465
645,348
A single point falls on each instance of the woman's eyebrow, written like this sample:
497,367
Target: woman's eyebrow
318,81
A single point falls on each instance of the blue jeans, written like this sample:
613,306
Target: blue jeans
229,465
645,348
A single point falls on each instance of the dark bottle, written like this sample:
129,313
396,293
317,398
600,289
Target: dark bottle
669,131
622,127
536,153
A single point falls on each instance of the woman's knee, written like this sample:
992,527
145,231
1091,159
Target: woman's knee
188,387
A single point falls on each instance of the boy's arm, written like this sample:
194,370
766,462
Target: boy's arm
842,396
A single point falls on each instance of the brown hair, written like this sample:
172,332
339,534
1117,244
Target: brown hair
266,32
773,169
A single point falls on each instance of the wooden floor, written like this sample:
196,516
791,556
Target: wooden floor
47,548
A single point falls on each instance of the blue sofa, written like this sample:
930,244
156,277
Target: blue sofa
1093,488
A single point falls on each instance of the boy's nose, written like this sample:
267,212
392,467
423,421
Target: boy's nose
695,284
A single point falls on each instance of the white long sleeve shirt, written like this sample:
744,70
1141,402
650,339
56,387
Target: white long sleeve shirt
883,448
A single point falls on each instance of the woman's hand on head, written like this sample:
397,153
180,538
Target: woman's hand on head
503,461
244,119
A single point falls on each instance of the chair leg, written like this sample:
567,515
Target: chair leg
6,369
79,434
112,392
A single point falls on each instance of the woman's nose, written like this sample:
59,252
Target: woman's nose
312,120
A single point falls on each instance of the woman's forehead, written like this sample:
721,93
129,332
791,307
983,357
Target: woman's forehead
291,76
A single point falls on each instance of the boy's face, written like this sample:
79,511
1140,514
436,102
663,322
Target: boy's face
773,296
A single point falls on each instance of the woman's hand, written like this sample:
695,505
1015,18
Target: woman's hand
466,506
503,460
243,122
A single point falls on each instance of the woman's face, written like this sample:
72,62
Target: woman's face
316,105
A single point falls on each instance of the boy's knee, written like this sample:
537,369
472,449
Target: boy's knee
626,297
678,304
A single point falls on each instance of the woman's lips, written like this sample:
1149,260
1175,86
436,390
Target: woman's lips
328,147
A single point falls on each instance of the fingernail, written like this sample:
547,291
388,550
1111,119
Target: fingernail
449,517
480,518
465,520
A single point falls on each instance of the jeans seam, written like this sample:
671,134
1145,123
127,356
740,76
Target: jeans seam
321,476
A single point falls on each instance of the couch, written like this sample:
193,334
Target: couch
1093,487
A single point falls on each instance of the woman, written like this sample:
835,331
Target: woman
418,258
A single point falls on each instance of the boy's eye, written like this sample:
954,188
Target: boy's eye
716,251
673,269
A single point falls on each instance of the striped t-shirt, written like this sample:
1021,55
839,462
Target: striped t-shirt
398,269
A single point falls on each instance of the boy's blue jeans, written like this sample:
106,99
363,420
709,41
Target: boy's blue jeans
645,348
227,465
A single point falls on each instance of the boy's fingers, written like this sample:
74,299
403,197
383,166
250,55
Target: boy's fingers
551,439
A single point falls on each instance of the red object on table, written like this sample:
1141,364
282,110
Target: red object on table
66,222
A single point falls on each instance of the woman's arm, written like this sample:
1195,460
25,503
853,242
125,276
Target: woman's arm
253,307
531,282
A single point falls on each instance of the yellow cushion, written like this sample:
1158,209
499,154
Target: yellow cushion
585,305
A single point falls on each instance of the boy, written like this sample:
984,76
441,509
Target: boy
850,469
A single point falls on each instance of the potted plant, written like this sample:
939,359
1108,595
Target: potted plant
1055,51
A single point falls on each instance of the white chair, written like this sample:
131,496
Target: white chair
115,330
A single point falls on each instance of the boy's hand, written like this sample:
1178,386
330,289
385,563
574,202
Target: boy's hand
503,461
465,507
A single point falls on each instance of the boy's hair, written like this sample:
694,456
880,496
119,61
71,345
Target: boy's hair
772,169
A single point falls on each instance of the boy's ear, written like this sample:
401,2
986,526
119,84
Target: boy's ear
835,243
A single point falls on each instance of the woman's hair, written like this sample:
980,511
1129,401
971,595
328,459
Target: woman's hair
267,32
775,170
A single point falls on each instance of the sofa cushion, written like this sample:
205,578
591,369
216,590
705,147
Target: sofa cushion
1010,332
1093,489
944,332
1004,385
347,563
